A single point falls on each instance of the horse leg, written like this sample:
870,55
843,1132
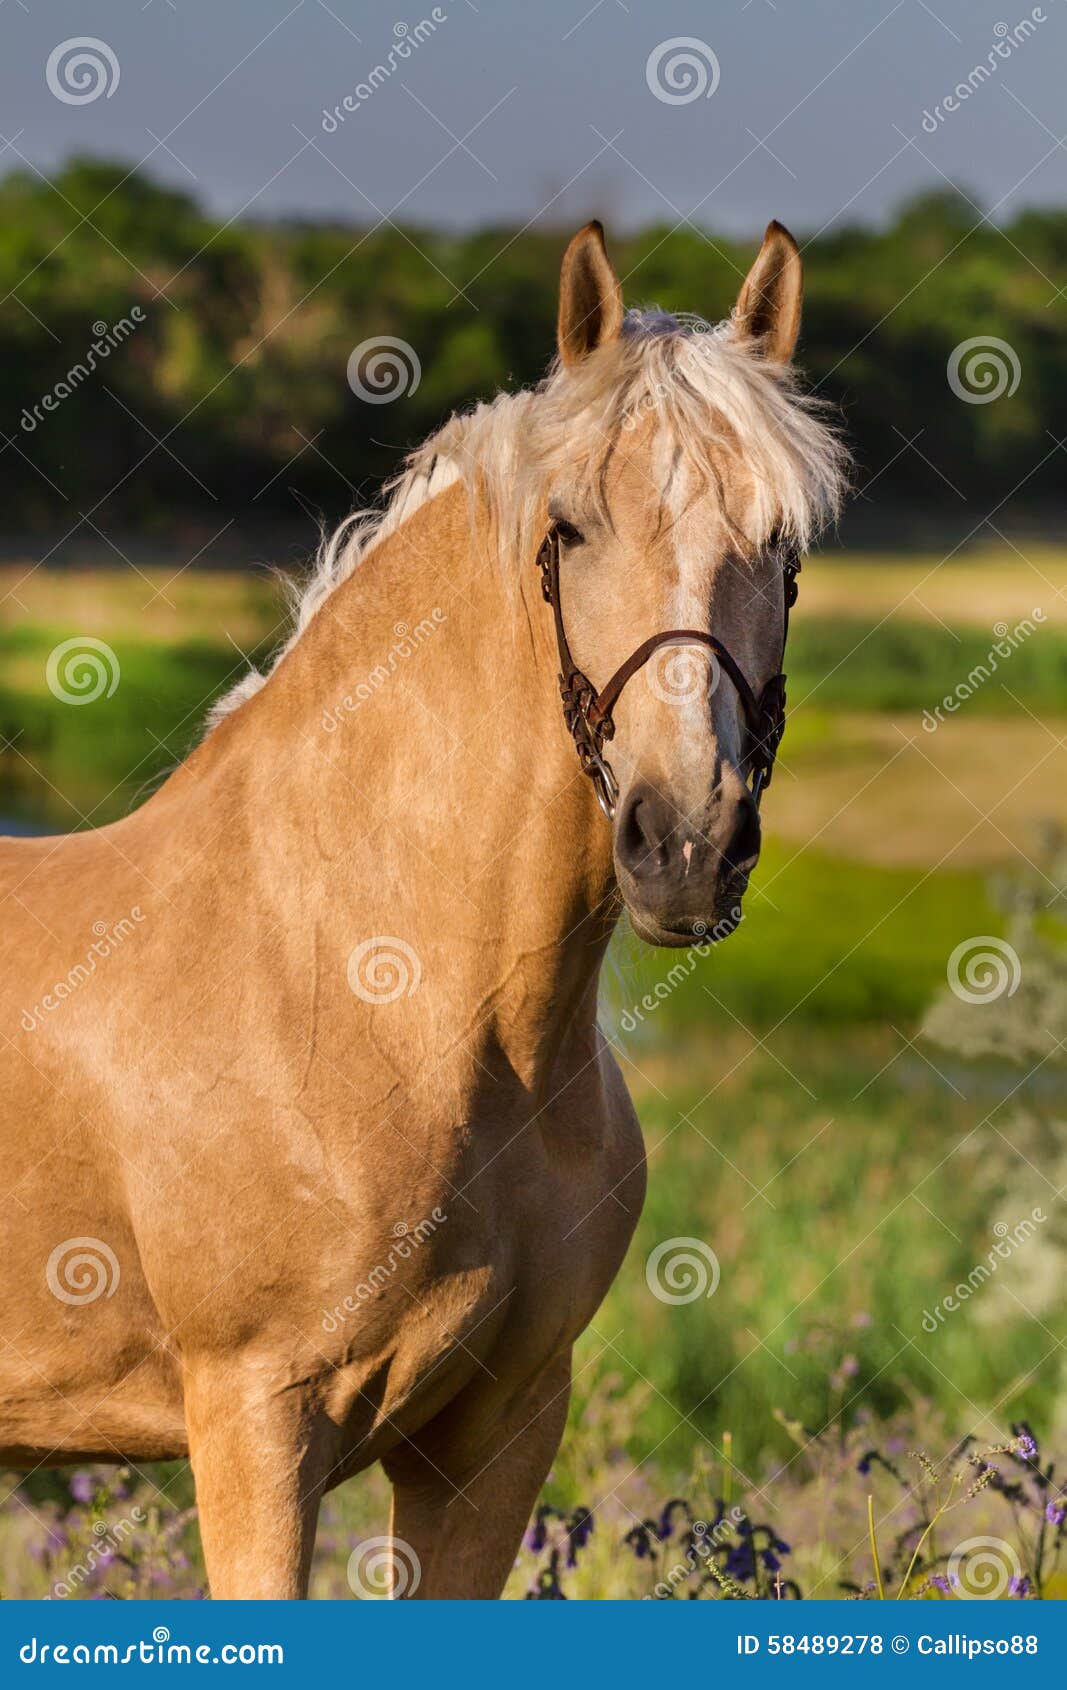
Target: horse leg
258,1479
462,1499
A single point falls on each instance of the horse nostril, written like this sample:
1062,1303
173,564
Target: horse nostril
643,837
656,842
742,853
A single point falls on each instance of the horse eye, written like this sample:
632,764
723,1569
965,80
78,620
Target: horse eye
567,532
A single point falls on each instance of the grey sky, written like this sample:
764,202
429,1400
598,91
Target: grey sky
552,104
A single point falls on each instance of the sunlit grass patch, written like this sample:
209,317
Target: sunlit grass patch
975,588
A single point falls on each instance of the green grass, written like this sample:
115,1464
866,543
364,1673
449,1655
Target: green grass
911,665
845,1188
97,759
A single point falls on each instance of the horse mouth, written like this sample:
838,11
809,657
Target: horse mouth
698,932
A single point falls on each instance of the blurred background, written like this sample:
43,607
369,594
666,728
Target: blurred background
856,1105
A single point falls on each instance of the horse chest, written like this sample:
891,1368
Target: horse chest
514,1270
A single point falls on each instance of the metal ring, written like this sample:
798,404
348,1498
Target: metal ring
605,785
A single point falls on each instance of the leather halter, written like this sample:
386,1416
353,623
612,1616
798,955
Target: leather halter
589,714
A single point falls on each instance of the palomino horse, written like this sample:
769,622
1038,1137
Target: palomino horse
319,1158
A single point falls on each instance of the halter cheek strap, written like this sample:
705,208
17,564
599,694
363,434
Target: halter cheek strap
589,714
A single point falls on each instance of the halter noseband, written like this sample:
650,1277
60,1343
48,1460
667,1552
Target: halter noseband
589,714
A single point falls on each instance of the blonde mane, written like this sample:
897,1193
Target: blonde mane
708,387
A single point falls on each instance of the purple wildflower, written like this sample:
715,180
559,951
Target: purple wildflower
676,1506
1055,1511
82,1487
579,1531
639,1539
1025,1446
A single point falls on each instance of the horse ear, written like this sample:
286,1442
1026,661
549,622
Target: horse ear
768,306
590,298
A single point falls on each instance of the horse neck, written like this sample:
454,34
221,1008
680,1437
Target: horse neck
408,758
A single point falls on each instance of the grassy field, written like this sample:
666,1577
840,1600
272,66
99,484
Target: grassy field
814,1115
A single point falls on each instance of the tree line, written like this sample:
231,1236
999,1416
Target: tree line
160,364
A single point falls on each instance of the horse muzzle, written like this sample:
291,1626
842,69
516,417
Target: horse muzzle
683,882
